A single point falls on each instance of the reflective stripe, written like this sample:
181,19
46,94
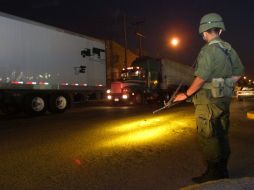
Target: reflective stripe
215,42
210,22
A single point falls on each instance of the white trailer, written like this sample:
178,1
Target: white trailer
44,68
174,73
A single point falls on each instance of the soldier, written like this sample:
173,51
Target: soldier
218,68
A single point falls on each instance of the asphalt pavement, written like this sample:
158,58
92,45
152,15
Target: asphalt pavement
114,147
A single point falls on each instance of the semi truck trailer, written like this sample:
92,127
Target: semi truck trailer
44,68
149,80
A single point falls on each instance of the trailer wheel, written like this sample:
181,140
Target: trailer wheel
8,105
9,109
35,105
58,103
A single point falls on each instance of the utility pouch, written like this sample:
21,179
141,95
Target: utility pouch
229,87
203,119
217,88
203,96
206,116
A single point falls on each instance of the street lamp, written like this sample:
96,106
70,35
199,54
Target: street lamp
244,77
174,42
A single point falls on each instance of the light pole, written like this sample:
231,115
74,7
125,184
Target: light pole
125,40
140,36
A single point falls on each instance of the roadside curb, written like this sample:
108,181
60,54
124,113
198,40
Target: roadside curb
225,184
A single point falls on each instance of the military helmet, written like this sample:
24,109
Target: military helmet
209,21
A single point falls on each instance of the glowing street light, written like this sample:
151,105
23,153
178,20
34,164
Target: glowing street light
244,77
174,42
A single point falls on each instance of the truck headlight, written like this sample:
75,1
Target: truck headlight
109,97
125,96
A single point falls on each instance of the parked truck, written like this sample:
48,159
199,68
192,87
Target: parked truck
149,80
44,68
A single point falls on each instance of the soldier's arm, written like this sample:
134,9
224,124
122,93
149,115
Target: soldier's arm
202,73
195,86
237,66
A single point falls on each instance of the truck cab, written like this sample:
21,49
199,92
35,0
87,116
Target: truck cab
150,80
138,83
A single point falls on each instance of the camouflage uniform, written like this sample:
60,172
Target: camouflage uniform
212,114
217,59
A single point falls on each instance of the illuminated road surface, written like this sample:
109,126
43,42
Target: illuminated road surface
113,148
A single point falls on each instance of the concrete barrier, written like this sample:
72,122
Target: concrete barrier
246,183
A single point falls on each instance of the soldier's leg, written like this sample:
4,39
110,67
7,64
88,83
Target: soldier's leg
210,138
224,141
208,128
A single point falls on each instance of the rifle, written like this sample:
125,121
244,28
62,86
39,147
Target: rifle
170,103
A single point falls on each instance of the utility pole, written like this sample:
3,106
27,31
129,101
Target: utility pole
139,35
125,40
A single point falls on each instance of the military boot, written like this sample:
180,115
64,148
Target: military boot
213,172
224,168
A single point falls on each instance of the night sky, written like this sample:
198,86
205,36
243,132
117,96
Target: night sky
161,20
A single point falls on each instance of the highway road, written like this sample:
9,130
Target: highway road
114,148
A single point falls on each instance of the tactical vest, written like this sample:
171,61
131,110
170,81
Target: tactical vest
218,87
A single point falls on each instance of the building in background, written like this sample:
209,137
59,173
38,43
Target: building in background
115,55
